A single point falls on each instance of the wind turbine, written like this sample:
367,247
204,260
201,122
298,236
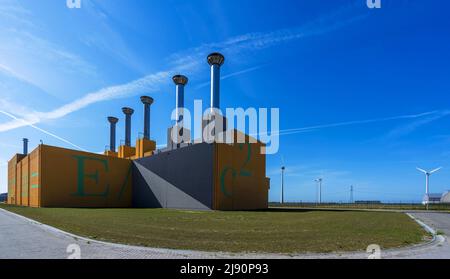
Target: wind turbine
283,168
319,183
427,184
351,194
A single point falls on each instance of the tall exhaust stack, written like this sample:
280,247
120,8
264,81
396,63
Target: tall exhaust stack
180,81
25,146
147,101
128,113
112,133
215,60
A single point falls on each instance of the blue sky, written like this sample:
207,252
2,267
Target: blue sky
363,93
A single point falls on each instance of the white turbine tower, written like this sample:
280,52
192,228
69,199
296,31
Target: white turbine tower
427,183
283,168
319,185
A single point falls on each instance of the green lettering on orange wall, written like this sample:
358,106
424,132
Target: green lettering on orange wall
243,171
223,187
25,186
125,182
82,175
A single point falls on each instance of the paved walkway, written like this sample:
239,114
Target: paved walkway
23,238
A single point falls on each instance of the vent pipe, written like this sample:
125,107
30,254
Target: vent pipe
147,101
215,60
128,113
180,81
25,146
112,133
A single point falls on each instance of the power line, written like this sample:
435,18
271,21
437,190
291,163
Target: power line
385,193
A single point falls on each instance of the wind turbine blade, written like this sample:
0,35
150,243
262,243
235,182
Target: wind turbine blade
422,170
433,171
283,163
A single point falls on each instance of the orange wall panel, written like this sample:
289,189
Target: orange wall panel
19,184
11,182
72,178
13,186
25,181
35,182
240,177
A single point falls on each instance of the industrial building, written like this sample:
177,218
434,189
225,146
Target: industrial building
445,198
436,198
184,175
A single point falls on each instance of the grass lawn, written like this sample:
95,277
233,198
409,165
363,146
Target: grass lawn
279,231
388,206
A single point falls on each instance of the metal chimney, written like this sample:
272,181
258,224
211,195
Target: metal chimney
147,101
112,134
25,146
215,60
128,112
180,81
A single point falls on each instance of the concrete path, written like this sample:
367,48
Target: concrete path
22,238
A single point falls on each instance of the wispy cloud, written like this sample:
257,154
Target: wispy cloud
28,53
10,72
291,169
300,181
105,38
190,60
246,44
149,83
26,123
429,116
13,12
224,77
9,145
412,126
308,171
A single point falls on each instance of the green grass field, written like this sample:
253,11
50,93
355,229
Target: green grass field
382,206
277,231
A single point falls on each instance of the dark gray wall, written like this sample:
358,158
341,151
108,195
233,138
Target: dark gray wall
181,178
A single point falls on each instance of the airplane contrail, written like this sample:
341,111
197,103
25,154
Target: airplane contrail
189,59
231,75
348,123
42,130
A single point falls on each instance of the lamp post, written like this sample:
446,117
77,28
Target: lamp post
283,168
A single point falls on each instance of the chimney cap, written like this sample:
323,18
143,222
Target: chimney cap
127,110
25,139
180,80
113,120
216,58
147,100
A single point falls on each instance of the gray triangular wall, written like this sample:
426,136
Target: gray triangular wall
181,178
